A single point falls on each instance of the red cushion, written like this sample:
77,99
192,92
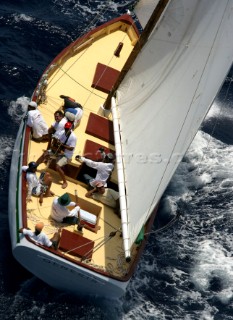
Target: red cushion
75,244
104,78
100,127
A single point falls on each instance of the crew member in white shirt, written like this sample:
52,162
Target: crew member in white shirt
57,126
63,150
37,186
104,169
40,237
36,121
60,212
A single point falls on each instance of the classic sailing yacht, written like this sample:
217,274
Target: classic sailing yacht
144,96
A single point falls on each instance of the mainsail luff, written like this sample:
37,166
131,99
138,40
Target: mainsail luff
173,84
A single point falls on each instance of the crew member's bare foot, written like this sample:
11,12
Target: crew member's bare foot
64,185
41,199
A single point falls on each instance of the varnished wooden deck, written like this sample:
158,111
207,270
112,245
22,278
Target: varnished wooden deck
74,78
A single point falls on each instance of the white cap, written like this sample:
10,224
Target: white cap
33,104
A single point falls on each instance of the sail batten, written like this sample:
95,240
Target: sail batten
166,95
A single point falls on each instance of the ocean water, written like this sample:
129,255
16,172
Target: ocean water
186,272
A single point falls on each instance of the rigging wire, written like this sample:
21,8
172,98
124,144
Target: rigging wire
66,73
103,242
89,27
93,22
98,246
82,245
91,92
168,225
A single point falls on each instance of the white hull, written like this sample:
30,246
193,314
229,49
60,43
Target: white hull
64,275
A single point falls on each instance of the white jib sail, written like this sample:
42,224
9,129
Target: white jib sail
165,96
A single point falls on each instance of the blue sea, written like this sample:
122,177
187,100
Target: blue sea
186,272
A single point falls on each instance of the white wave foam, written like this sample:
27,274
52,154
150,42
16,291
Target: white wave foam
226,184
213,261
144,310
206,159
218,111
18,108
214,111
22,17
6,146
207,166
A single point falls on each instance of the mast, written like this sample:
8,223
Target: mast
157,13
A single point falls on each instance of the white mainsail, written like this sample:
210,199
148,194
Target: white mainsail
143,10
165,97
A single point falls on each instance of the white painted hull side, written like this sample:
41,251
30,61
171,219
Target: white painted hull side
15,192
64,275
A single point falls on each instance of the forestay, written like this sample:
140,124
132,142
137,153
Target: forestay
165,96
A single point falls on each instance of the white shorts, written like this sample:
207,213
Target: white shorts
36,191
62,161
41,188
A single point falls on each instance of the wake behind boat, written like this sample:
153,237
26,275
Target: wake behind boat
174,68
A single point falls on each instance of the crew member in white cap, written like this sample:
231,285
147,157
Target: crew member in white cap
37,123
